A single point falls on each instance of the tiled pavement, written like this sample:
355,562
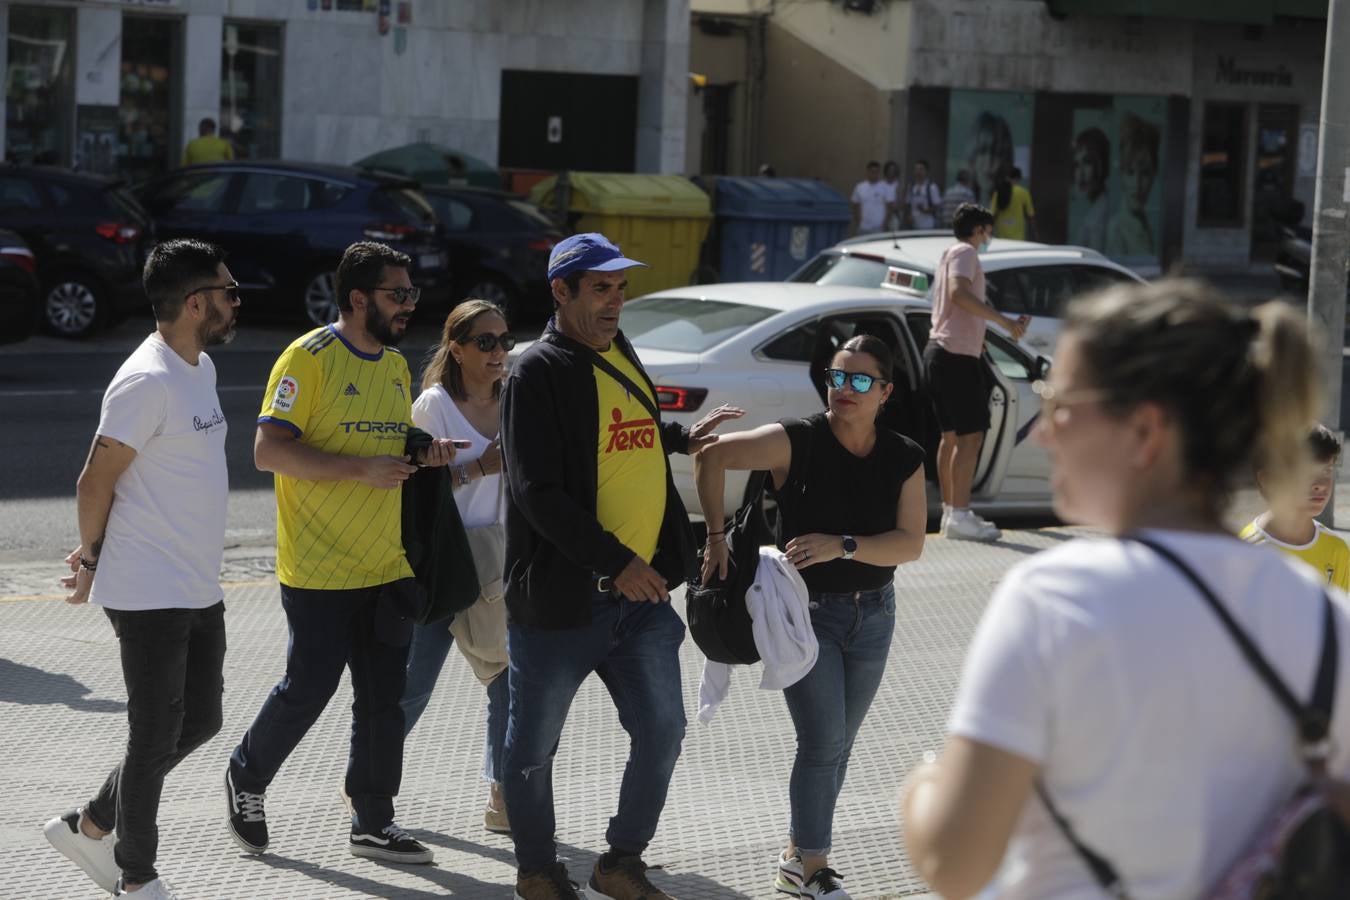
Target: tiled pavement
63,715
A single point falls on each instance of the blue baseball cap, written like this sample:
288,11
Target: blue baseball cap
589,252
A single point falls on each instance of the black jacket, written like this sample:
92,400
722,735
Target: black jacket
554,543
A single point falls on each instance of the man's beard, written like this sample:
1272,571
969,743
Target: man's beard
381,328
215,331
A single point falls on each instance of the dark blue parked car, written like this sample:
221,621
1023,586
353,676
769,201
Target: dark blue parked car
20,308
286,224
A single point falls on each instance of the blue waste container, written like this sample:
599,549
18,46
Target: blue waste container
767,227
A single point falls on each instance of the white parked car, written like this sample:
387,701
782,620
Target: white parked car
1021,277
764,346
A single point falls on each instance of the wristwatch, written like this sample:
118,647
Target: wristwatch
850,546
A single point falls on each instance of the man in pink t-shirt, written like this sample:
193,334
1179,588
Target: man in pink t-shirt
957,377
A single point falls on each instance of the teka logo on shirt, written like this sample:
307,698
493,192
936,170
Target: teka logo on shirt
639,434
287,390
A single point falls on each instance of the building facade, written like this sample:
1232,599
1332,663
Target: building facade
1153,137
119,86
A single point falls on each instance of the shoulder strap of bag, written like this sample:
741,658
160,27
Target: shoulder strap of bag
1314,718
641,394
1103,871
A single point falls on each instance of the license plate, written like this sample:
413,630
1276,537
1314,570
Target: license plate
429,261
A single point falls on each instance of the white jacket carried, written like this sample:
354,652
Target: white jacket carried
779,607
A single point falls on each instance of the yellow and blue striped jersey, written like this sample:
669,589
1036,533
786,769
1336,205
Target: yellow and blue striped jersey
333,535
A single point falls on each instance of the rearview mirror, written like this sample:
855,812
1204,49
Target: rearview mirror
1042,368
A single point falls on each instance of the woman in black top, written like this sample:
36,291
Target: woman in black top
851,497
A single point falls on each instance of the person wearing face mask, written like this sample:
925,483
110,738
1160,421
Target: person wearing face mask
851,497
1100,681
956,374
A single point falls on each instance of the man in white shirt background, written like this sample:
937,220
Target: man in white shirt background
924,199
873,201
151,502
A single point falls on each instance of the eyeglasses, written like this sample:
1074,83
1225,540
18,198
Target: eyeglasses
402,295
487,341
231,290
1052,401
861,382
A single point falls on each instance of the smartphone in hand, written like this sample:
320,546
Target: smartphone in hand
460,444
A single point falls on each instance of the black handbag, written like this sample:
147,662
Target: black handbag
1303,853
718,619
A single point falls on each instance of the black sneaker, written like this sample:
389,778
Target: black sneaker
391,844
248,822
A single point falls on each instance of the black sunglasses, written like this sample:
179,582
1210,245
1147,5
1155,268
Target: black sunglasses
402,295
487,341
231,290
861,382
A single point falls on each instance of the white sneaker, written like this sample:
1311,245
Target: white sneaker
824,885
966,526
95,857
158,889
790,878
946,515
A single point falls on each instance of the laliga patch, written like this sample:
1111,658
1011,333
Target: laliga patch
287,390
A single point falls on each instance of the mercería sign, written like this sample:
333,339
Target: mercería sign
1230,73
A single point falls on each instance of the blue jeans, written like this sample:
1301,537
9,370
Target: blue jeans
331,630
430,646
634,648
828,705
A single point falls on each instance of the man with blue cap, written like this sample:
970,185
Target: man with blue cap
596,537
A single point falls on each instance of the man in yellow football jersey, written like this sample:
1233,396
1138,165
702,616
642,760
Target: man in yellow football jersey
596,536
333,429
1291,522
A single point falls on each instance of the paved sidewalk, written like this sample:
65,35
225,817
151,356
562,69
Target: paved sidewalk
62,703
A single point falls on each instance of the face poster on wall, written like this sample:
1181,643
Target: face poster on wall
1094,139
1134,231
986,130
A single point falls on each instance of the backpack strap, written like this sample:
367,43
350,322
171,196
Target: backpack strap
1314,718
1101,869
627,383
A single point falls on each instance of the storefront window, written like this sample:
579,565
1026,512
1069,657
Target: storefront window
38,86
250,90
1222,162
148,89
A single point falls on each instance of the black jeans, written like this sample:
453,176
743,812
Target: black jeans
171,662
330,630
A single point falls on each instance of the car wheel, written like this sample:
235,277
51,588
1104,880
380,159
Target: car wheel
321,298
767,508
73,306
497,292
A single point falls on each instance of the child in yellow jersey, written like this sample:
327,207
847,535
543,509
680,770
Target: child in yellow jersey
1291,522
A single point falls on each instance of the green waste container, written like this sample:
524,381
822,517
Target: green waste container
657,219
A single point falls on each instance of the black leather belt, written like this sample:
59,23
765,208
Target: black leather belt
603,584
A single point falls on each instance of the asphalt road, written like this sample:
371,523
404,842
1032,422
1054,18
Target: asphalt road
50,393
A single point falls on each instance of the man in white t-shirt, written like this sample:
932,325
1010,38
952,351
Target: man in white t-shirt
151,502
924,198
873,201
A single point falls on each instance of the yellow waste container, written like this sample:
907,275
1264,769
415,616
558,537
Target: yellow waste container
657,219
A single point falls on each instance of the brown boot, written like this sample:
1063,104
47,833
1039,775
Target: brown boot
626,881
549,884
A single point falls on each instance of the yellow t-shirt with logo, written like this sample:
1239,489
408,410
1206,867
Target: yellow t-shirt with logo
1326,552
333,535
630,500
1010,222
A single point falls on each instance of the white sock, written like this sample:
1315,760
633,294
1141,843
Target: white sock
946,509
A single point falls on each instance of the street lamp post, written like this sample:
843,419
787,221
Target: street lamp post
1331,229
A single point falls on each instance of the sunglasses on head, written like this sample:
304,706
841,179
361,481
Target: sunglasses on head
861,382
487,341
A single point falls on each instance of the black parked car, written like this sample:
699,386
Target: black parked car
89,237
499,246
20,307
286,224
